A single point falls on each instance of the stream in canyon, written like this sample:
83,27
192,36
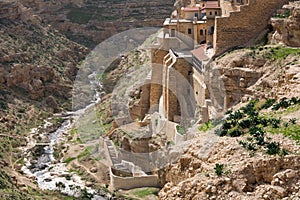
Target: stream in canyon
51,173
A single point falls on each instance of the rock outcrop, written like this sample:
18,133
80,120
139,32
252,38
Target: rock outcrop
37,66
263,72
245,177
287,25
89,22
258,73
35,57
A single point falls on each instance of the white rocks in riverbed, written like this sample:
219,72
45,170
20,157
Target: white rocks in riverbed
89,184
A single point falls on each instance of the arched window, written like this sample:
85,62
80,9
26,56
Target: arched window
201,32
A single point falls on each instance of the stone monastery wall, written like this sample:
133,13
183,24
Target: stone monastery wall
245,25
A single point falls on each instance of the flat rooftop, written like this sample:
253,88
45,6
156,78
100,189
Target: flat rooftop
169,21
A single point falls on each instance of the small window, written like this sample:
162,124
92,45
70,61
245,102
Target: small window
172,32
210,13
189,31
216,12
201,32
211,30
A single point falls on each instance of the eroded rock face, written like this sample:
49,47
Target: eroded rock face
253,74
245,177
33,57
37,68
90,22
287,25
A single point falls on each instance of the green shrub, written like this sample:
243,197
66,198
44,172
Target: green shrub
248,120
273,148
293,121
286,14
235,132
181,129
3,105
206,126
59,120
268,103
256,131
219,169
283,152
245,123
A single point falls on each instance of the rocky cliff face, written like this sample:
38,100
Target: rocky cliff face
257,177
262,72
287,25
258,73
89,22
37,65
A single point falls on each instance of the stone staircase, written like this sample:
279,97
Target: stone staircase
114,157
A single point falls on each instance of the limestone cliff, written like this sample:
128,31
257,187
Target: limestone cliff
287,25
245,177
262,72
37,68
89,22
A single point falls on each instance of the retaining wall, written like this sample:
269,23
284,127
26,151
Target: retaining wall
242,28
133,182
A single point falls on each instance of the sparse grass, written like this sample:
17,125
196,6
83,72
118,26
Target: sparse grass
89,127
86,152
69,159
73,131
292,131
98,158
79,141
280,52
79,172
141,193
284,112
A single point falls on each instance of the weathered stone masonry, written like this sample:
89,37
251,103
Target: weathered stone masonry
241,27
